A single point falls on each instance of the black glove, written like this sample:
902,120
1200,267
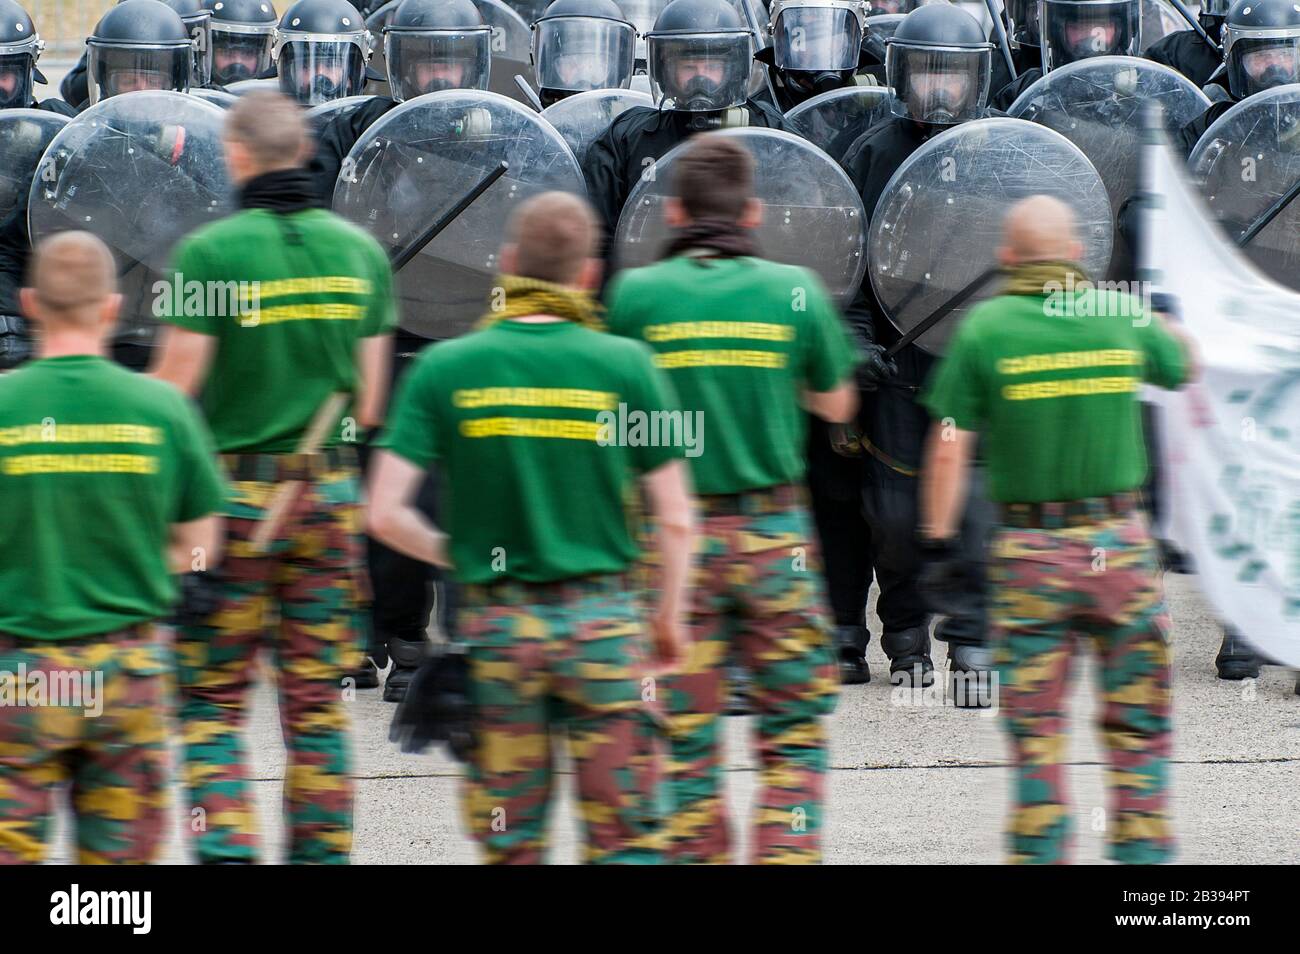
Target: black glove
436,707
200,597
943,577
876,367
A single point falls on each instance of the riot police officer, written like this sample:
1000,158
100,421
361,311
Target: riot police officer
816,47
938,62
20,48
429,45
139,27
1071,30
1185,50
580,45
242,37
321,51
699,55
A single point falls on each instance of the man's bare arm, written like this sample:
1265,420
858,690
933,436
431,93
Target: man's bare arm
183,358
667,489
944,477
374,355
392,517
837,406
195,545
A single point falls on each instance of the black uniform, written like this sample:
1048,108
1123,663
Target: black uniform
621,154
1186,52
1003,90
336,139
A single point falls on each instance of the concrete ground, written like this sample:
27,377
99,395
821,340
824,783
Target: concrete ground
909,784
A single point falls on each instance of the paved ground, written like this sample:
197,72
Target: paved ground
910,784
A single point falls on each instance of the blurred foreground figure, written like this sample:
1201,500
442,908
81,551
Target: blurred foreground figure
526,421
110,486
745,359
1048,375
308,331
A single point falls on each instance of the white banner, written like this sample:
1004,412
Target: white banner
1231,441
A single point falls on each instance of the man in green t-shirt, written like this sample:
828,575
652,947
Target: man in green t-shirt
1048,375
109,486
538,424
273,312
750,346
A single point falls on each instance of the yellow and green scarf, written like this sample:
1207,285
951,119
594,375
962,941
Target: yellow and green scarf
1042,278
521,297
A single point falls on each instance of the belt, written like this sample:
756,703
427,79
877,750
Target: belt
765,500
1053,515
519,593
274,468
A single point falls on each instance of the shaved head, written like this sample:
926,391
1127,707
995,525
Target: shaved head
71,279
269,132
1039,229
552,237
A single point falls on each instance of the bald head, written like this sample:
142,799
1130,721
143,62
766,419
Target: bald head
552,237
72,282
1039,229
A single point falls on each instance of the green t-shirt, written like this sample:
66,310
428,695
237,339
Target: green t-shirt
524,420
287,297
1052,383
96,463
740,338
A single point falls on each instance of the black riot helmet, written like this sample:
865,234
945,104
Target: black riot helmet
1261,45
197,19
580,45
321,49
432,45
1079,29
20,48
241,36
939,62
699,56
816,44
138,45
1022,15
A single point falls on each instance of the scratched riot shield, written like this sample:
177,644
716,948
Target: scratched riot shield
511,49
25,134
248,85
584,116
320,116
812,214
416,162
140,170
834,120
216,97
1097,104
1244,164
938,224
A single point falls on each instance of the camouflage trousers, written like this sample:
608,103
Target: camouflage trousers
757,600
1054,588
551,659
300,600
104,742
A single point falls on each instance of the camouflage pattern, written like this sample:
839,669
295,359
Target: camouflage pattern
565,657
757,599
1053,588
114,763
300,600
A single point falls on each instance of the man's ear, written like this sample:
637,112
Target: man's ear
109,311
675,213
237,160
752,217
509,258
1006,256
29,304
592,271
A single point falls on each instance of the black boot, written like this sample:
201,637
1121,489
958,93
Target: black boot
1237,659
851,642
970,675
407,656
909,657
366,676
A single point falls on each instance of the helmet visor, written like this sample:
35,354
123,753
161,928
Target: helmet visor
1074,30
318,71
15,80
581,53
699,72
1023,15
938,85
814,39
430,61
200,28
240,54
1256,63
113,70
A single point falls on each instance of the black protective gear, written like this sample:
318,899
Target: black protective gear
139,44
851,643
1072,30
198,22
242,37
939,62
1186,52
705,32
876,368
450,34
909,657
1261,45
437,707
407,655
321,50
580,45
199,597
20,48
1237,658
335,140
